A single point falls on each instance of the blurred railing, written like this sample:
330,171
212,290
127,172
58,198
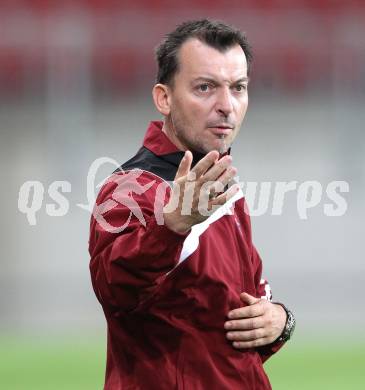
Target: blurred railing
301,45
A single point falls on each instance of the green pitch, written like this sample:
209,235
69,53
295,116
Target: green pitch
318,366
79,365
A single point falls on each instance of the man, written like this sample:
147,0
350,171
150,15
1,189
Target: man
173,266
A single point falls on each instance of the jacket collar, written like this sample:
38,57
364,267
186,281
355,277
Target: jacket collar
157,141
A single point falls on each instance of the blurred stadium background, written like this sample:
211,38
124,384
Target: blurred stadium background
75,82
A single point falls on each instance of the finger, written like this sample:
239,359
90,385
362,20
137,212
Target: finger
245,324
227,176
223,198
250,344
185,165
247,335
217,187
254,310
214,172
249,299
205,163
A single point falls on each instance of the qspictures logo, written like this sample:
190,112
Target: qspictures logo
262,198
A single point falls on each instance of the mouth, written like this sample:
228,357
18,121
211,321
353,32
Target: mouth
221,130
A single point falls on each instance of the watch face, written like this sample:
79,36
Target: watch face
290,325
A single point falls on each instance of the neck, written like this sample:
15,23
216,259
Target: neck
168,129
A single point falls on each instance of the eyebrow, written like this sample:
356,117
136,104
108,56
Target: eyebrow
212,80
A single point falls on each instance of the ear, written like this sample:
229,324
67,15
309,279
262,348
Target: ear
161,98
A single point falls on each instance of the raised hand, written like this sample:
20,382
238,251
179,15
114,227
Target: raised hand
193,188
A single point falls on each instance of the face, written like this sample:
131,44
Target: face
208,99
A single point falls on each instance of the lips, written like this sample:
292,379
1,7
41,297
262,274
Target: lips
221,130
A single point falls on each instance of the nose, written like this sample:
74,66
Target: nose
224,104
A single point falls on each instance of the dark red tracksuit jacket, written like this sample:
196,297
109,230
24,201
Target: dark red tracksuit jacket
166,296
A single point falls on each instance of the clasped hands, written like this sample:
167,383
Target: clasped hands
259,323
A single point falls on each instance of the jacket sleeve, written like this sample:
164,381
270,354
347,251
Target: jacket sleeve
131,250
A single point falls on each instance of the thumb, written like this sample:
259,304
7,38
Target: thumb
249,299
185,165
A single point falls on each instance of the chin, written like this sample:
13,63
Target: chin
219,145
222,147
220,150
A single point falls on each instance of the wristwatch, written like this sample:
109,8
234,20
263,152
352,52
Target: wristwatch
289,325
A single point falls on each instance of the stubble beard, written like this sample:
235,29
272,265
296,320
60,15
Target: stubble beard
196,144
224,147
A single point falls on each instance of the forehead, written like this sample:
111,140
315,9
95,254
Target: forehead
197,59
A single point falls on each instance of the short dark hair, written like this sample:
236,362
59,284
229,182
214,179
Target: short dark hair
216,34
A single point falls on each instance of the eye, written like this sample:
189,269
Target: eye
241,87
204,87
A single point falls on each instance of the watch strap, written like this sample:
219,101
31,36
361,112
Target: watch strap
289,324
